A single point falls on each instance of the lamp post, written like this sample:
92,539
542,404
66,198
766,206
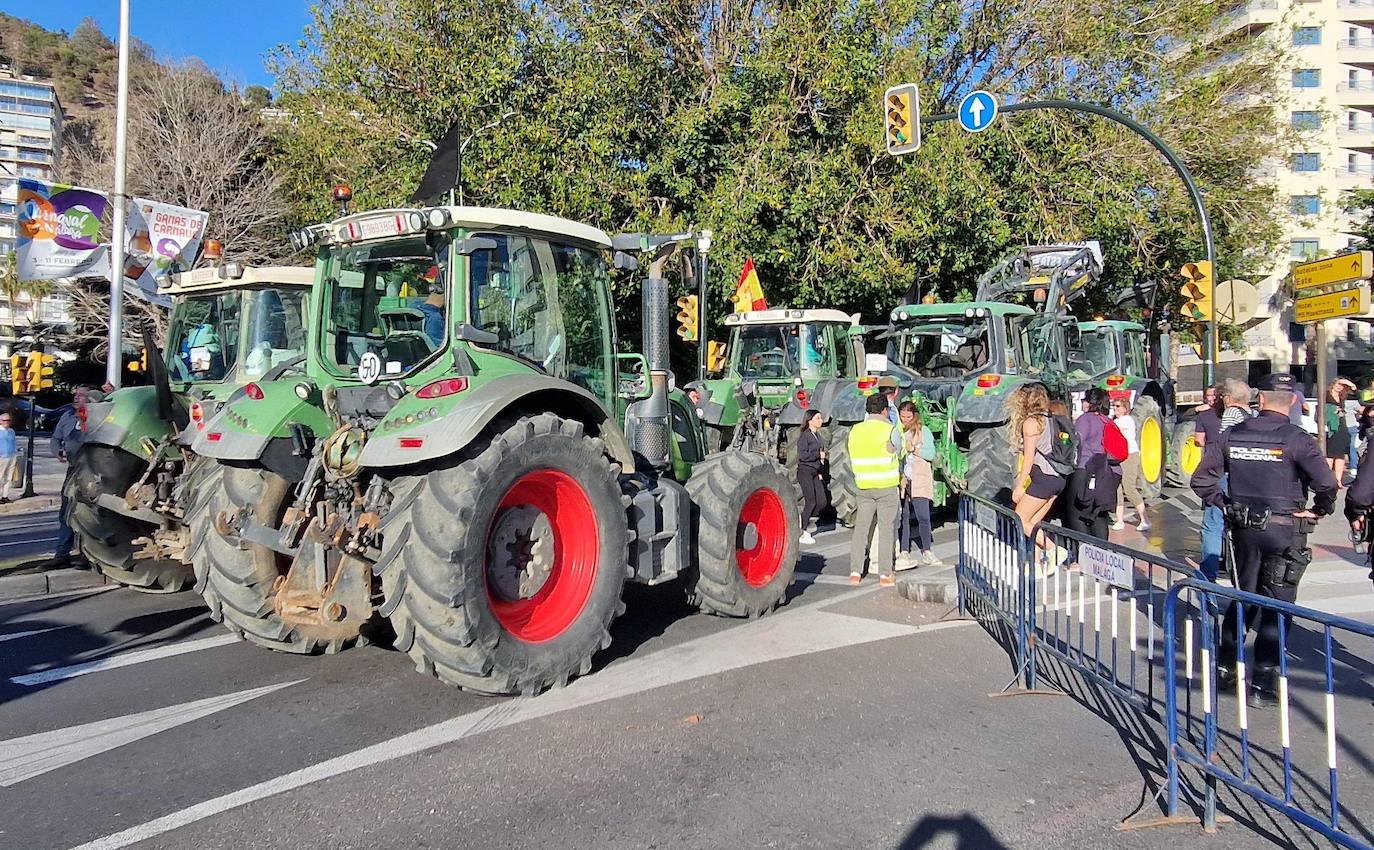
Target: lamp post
114,367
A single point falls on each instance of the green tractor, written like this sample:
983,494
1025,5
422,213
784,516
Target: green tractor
468,459
961,362
130,485
1113,353
782,363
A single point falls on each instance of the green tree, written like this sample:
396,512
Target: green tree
257,97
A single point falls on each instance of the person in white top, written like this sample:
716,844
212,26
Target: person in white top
1130,467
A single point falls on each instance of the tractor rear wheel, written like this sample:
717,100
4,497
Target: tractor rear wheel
746,525
503,572
1186,454
844,495
107,538
1152,441
239,583
991,464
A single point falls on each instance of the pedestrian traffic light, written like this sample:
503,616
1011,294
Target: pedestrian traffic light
47,371
17,381
687,317
902,117
33,372
1197,291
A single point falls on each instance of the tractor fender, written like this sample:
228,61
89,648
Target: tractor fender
245,428
124,419
476,408
839,400
981,410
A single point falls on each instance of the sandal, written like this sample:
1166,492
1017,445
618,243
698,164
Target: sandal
886,581
855,578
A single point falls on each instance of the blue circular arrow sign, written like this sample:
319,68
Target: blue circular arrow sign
977,110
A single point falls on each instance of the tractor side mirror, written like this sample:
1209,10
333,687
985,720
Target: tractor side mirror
473,244
634,382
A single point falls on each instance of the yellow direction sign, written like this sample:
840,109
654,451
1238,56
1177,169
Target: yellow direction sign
1331,305
1347,268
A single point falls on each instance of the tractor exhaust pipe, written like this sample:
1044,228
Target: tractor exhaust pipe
652,425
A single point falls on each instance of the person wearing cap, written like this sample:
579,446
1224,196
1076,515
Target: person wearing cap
1270,465
887,388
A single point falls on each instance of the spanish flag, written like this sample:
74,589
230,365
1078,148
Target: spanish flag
748,292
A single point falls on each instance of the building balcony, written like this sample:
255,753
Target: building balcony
1354,176
1356,51
1355,11
1358,94
1359,137
1255,15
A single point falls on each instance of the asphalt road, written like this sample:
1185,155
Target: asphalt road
27,536
849,718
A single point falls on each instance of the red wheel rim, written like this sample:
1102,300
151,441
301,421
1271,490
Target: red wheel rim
576,547
761,539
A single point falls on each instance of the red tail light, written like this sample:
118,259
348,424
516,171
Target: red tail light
253,391
198,415
441,388
868,382
1115,380
214,436
803,399
411,442
987,381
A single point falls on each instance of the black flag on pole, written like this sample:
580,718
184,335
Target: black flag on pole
442,173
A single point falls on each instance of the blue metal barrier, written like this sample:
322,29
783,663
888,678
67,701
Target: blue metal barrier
1197,743
993,552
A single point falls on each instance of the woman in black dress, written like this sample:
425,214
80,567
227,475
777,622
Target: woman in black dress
810,456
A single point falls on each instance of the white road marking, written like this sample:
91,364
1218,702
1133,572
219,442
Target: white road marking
125,659
790,634
30,633
1356,603
34,755
44,597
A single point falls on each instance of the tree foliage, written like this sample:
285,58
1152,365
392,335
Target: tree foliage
760,120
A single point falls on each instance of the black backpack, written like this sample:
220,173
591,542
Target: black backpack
1063,454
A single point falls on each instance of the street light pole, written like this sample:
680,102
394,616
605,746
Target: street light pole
114,364
1210,350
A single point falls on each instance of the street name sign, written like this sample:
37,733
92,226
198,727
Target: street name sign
977,111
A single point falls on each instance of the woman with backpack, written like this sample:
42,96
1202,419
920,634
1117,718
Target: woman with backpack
917,487
1034,432
1101,449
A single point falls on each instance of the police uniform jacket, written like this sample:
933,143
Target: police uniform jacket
1271,463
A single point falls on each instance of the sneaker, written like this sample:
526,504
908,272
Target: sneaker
1118,525
855,578
1144,525
905,562
928,558
807,538
887,581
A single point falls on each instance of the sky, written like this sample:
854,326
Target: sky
231,36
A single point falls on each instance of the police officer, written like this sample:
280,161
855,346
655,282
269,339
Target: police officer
1271,464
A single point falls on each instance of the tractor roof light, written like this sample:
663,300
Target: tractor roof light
438,218
231,271
1041,295
213,250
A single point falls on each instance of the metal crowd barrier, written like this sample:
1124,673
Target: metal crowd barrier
1258,755
1147,630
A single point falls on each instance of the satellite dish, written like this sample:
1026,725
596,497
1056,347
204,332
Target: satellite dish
1235,302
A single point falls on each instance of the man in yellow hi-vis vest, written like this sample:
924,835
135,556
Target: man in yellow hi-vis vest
875,447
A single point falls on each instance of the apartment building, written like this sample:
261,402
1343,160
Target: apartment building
1330,102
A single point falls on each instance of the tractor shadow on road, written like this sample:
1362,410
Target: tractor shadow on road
968,833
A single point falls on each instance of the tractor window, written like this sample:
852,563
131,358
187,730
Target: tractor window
274,329
1098,355
387,299
547,303
818,352
1135,354
202,342
944,346
1039,340
766,351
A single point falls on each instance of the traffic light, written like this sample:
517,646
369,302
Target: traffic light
687,318
17,382
33,372
1197,291
141,364
47,371
902,117
715,357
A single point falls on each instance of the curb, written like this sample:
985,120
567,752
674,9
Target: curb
31,505
936,591
43,584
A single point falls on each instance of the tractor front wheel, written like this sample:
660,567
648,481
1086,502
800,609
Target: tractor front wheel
746,525
844,494
1186,454
503,572
1151,439
107,538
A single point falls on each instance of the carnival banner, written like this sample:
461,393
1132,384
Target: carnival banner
59,231
162,239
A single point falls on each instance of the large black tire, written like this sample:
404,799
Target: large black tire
1183,455
107,538
1153,441
991,464
844,495
442,572
746,524
239,584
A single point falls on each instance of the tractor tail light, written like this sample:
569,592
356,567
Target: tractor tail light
868,382
443,387
988,381
253,391
198,415
1115,380
412,442
803,399
214,436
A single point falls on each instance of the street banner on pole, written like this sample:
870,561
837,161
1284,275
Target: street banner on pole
162,239
59,231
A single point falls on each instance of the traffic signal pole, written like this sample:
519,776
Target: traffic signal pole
1211,341
28,458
